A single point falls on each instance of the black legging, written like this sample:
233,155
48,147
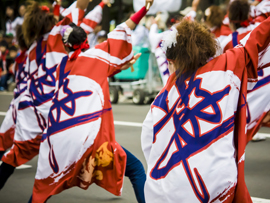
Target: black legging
5,172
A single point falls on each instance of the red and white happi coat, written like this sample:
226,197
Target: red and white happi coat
258,99
78,147
230,41
43,57
90,21
255,11
7,128
194,136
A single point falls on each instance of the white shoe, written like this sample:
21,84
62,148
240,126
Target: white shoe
258,137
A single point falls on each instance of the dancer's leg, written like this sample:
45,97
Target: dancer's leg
135,172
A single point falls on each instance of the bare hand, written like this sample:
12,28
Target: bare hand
195,4
106,1
4,72
126,66
59,2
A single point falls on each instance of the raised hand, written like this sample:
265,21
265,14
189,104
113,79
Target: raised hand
59,2
106,2
130,64
82,4
195,4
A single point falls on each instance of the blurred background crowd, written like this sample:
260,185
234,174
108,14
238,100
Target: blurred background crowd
12,14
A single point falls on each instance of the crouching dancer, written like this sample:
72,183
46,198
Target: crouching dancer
78,147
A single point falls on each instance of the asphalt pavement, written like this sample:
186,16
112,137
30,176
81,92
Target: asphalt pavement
128,118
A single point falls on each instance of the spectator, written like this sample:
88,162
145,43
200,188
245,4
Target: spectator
19,19
12,54
10,19
9,38
101,36
92,37
1,35
3,65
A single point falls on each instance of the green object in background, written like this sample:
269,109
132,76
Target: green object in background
140,67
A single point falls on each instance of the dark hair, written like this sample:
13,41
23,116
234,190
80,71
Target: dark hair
216,16
11,7
36,22
238,12
77,36
173,19
21,4
20,38
13,48
3,43
195,46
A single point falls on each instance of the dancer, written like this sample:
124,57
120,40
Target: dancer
35,101
8,125
257,99
213,18
258,102
194,136
241,23
81,116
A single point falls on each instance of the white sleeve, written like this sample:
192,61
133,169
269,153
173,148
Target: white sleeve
154,37
147,135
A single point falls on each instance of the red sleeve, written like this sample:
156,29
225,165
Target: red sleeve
107,58
255,44
56,10
93,18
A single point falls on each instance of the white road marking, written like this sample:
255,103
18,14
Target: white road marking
7,93
24,166
2,113
124,123
259,200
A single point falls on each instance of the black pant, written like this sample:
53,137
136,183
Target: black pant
5,172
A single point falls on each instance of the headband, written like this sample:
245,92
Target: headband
45,8
78,49
243,23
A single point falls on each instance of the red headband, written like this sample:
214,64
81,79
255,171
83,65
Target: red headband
173,20
79,48
170,60
45,8
243,23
